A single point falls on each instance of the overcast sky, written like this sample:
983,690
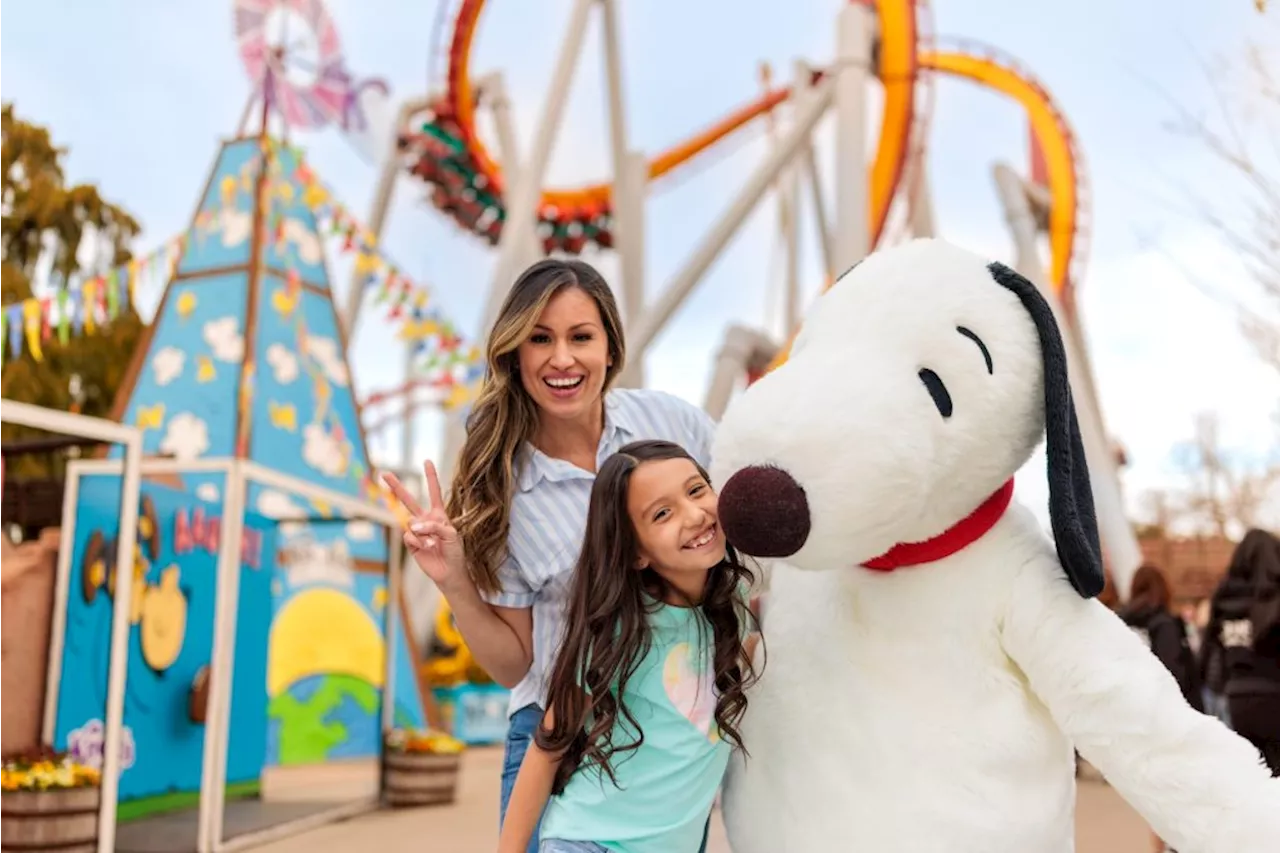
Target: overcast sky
142,91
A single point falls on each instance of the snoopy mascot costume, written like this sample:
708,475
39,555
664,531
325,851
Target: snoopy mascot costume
932,658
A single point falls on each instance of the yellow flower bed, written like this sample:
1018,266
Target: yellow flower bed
46,774
429,741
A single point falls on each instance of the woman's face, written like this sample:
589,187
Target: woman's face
673,511
564,360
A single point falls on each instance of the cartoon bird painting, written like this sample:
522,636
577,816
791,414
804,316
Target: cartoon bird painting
163,620
150,417
186,304
283,301
160,610
283,415
205,371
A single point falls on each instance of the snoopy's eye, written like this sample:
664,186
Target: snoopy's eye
938,391
986,353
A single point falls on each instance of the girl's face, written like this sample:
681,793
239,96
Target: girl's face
565,358
673,511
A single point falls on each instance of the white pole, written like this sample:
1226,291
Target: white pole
921,199
740,346
1123,552
790,209
522,196
218,718
1021,221
629,214
61,592
223,616
820,219
495,93
394,569
118,661
407,426
381,204
623,188
853,66
716,239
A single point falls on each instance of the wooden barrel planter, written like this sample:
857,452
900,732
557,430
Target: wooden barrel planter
421,778
61,819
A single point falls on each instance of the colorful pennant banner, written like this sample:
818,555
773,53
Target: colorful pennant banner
444,356
81,307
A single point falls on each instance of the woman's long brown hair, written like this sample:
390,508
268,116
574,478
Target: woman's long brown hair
504,416
607,627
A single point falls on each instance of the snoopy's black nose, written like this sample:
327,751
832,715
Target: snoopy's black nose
764,512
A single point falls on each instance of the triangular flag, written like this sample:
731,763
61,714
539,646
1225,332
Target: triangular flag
31,315
64,324
113,294
14,316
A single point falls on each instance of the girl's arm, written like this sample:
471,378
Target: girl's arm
530,795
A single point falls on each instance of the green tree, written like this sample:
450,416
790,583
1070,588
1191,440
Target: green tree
45,222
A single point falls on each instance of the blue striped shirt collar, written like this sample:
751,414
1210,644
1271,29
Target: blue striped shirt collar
536,465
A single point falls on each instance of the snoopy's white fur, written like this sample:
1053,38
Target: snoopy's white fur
936,707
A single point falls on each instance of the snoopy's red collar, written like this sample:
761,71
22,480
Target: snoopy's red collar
960,535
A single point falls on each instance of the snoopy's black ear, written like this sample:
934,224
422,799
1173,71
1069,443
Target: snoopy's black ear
1071,513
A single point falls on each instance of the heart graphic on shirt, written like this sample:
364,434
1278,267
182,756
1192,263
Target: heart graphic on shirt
691,688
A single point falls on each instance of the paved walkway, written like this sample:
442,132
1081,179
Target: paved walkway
1104,823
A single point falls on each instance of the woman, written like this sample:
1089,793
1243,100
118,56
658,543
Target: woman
1148,613
1243,640
503,550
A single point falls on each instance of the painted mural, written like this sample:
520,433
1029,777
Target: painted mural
171,614
222,347
206,362
327,655
184,399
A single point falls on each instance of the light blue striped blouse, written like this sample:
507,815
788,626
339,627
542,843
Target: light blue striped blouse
549,517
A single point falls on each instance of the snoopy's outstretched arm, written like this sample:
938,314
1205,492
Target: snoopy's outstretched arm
1200,786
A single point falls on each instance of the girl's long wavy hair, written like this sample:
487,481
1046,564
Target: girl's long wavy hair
607,628
504,416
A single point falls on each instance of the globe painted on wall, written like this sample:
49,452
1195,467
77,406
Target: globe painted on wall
324,680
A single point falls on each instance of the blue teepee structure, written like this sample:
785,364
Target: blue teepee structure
246,358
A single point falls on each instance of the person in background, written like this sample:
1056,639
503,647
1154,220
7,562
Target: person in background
1243,636
1148,613
1213,669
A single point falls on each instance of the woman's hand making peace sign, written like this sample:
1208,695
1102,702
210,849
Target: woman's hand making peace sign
431,539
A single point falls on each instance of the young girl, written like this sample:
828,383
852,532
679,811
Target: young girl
650,680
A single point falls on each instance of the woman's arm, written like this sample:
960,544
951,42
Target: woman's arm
530,795
500,638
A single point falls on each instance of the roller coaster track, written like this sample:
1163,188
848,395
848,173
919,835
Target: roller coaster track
468,184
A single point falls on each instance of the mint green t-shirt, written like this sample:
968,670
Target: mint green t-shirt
666,787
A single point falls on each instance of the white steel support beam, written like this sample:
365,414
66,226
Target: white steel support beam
855,27
382,196
1123,553
494,87
522,195
718,237
629,213
118,654
821,221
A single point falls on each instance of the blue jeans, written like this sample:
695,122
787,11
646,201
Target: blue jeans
520,728
1216,705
